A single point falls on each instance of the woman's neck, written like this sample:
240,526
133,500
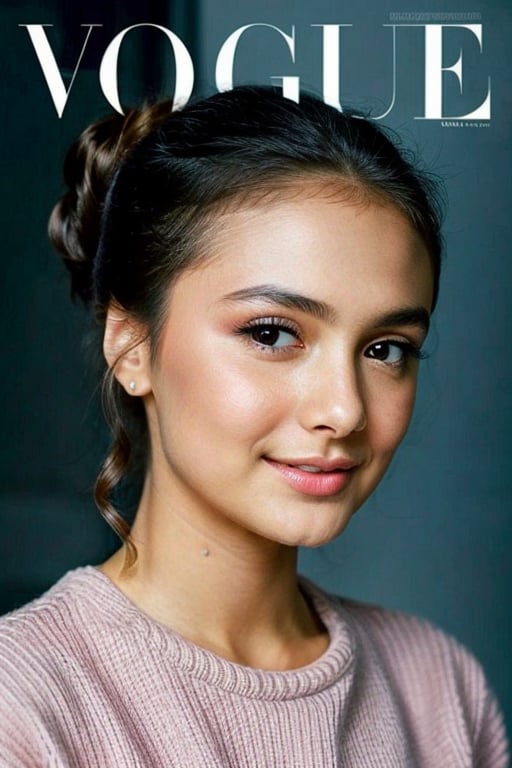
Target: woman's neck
225,589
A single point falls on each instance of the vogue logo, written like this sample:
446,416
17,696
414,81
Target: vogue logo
290,84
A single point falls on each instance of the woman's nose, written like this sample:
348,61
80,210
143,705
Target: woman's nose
333,399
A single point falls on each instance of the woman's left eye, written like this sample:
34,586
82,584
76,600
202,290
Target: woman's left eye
392,352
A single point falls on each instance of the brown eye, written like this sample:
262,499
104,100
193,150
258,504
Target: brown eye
387,352
273,335
268,335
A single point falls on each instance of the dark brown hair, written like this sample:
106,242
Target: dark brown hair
143,191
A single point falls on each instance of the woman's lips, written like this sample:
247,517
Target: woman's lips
317,477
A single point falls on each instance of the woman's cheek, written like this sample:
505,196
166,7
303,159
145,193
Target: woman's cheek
391,415
247,404
227,389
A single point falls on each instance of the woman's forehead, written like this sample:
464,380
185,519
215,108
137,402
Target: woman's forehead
322,245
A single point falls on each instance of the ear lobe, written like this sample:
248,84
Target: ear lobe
126,350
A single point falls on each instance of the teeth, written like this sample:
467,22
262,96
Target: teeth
308,468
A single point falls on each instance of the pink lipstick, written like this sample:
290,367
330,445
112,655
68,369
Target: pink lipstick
314,476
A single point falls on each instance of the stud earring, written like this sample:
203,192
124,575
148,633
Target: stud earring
132,386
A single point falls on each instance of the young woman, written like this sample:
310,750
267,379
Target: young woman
263,273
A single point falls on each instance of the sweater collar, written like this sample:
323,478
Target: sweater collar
119,615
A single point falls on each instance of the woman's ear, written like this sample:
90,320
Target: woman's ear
126,350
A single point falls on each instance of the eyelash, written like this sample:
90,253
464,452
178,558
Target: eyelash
410,351
267,323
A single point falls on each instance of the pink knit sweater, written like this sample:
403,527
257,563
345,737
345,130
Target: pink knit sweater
87,679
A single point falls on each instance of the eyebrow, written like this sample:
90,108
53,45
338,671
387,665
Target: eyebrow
272,294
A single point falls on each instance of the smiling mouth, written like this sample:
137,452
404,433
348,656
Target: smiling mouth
324,478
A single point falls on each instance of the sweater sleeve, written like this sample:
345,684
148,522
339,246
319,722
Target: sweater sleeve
26,696
16,751
444,693
20,742
490,741
478,705
490,748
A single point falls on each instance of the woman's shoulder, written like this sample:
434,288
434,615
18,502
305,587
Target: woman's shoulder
407,633
379,625
46,634
410,647
433,676
376,626
56,604
40,644
413,646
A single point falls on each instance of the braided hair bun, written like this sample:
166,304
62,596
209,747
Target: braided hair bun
89,167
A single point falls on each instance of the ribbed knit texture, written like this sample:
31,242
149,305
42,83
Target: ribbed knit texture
87,679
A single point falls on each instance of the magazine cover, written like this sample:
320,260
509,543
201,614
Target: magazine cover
435,538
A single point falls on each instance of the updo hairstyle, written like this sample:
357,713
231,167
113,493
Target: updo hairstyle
143,193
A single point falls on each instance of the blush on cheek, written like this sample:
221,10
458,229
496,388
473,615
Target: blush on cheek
204,388
242,408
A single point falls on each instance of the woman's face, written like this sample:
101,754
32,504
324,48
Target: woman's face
286,370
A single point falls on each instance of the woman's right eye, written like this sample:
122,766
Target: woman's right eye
273,336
